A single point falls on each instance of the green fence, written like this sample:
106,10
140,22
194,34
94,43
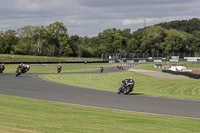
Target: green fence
182,60
165,60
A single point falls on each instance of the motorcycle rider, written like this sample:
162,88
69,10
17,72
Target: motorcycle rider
125,83
28,67
129,80
59,68
2,67
101,69
22,67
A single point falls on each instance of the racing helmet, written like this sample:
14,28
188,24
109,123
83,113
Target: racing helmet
131,78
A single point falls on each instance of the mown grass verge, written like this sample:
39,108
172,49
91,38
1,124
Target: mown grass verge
146,85
52,68
147,67
36,116
31,58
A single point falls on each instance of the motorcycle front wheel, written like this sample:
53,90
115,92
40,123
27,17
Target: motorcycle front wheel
16,74
119,90
126,90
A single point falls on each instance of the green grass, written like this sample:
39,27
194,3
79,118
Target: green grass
51,68
147,67
20,115
146,85
30,58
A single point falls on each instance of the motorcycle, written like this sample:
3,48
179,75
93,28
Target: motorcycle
126,86
18,72
21,70
120,67
2,68
27,68
59,70
101,69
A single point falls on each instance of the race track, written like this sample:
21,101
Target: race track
31,86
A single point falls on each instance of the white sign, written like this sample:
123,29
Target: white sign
192,59
173,60
142,60
175,57
177,68
157,60
130,60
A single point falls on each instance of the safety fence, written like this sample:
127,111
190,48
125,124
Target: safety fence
154,60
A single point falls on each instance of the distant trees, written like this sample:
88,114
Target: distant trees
8,40
53,40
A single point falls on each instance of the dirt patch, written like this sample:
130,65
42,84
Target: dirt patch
195,71
158,74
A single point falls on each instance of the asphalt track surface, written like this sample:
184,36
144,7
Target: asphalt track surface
31,86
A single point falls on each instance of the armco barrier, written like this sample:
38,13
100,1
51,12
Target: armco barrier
189,74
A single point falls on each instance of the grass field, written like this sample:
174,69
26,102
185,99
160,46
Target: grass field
29,58
147,67
52,68
145,85
20,115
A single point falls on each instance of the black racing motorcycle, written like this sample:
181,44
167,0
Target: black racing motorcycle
120,67
21,70
126,86
2,69
18,72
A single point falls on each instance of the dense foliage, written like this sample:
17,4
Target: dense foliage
53,40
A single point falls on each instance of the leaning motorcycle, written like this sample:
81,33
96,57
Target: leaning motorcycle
2,69
18,72
126,88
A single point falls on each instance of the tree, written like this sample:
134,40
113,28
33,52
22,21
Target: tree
1,42
56,31
26,42
74,42
8,41
39,37
112,40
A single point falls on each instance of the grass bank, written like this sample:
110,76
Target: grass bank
30,58
52,68
35,116
147,67
146,85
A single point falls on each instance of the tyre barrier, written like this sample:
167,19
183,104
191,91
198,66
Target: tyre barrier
189,74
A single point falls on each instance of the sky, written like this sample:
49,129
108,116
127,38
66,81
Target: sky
90,17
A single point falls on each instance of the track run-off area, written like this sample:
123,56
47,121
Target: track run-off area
30,85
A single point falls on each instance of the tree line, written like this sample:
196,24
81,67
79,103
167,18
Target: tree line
54,40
